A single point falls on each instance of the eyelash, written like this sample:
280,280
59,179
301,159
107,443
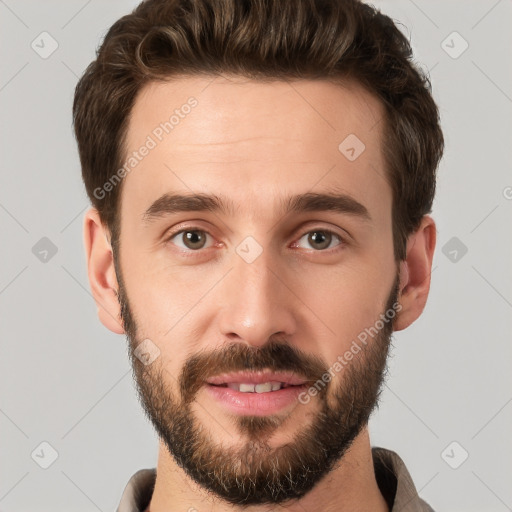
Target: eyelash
323,230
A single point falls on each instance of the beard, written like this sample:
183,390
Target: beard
253,472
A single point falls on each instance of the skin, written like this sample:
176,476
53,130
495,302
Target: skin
256,143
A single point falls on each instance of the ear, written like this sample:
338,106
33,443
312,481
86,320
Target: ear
101,271
415,273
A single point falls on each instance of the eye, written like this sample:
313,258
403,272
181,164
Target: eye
320,239
192,239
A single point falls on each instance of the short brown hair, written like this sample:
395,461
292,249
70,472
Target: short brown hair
263,40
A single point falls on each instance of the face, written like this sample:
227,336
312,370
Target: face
274,272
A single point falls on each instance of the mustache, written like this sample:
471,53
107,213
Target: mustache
275,356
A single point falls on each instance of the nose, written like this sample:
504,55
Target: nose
256,302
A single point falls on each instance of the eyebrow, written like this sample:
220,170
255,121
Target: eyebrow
169,204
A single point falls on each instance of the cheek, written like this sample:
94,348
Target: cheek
159,309
158,296
348,296
347,302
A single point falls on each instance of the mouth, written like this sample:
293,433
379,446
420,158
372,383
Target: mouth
263,387
257,382
256,393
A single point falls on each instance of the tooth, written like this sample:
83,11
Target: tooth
263,388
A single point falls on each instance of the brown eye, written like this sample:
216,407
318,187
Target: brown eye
192,239
320,239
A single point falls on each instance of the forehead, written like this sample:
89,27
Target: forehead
256,141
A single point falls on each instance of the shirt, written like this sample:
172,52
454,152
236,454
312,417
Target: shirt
394,481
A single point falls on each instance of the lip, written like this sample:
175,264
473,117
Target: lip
255,404
257,378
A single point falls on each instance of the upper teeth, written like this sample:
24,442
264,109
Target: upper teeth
256,388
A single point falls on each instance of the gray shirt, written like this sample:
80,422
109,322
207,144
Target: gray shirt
394,481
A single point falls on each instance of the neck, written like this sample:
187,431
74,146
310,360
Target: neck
350,486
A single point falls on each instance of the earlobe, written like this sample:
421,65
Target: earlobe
101,271
415,273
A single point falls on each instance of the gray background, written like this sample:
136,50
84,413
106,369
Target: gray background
66,380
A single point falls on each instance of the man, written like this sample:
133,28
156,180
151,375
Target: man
261,174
